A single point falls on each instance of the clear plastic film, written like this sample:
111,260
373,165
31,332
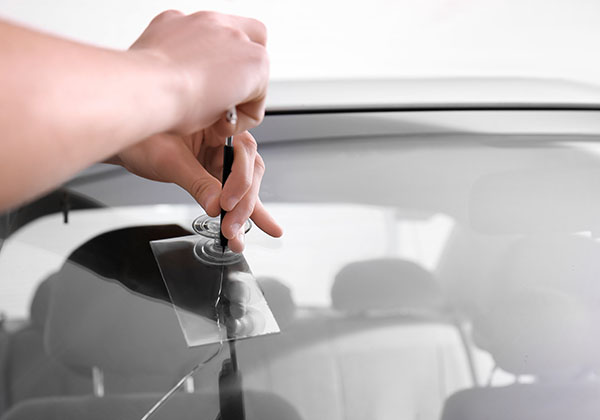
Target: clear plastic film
212,290
216,299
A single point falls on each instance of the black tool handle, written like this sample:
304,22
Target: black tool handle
231,396
227,164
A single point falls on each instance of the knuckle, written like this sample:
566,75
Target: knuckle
198,188
167,14
250,143
259,28
245,182
259,165
260,117
244,209
236,33
206,15
262,28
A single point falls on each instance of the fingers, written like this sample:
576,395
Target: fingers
240,194
235,218
242,175
254,29
263,219
205,63
189,174
249,114
167,14
237,243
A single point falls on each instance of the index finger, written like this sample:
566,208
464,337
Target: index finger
242,171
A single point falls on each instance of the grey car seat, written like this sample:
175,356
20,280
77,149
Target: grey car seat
258,406
542,322
134,346
31,372
398,307
539,332
323,361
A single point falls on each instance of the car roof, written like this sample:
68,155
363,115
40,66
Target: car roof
425,93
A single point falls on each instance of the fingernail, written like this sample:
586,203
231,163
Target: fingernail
242,237
236,228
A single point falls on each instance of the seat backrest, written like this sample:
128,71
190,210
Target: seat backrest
95,321
382,350
396,307
573,401
541,322
31,372
257,406
541,332
385,285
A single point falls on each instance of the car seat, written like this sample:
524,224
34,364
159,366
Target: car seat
257,406
379,354
544,333
541,320
134,346
31,372
396,307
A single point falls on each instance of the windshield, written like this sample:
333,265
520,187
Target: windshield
443,266
554,39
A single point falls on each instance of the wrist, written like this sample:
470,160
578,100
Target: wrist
163,89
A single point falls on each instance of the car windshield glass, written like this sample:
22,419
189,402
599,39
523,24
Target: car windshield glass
445,264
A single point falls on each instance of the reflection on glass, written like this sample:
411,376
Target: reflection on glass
502,311
213,291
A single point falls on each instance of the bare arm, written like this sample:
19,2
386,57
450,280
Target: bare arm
65,105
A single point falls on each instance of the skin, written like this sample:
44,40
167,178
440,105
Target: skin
157,109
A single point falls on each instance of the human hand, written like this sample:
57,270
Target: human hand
195,163
216,62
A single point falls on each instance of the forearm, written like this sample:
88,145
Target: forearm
65,105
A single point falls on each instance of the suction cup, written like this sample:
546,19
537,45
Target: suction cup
211,252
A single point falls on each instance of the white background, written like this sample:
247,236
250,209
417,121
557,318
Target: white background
368,39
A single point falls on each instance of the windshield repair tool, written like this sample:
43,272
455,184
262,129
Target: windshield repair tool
227,164
215,296
231,397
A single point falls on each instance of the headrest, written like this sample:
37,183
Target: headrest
385,285
279,298
95,318
570,263
539,331
38,311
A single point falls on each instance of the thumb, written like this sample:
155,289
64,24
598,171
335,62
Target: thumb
190,175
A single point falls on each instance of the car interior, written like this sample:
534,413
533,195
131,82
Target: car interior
499,323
